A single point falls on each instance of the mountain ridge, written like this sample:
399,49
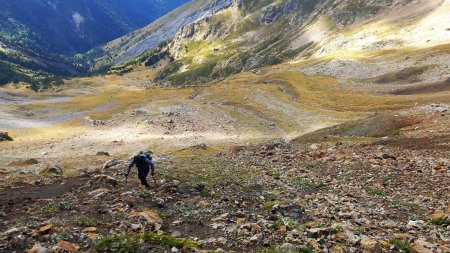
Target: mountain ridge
39,39
247,35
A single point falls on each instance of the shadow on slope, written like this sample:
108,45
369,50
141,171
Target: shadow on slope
425,89
380,125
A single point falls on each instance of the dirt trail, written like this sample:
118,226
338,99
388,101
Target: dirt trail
17,199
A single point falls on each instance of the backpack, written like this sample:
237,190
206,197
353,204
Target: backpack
140,160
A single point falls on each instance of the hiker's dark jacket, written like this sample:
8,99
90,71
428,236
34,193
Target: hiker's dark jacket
143,162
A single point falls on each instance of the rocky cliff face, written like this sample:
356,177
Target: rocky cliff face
220,38
147,38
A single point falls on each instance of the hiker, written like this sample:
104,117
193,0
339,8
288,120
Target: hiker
144,164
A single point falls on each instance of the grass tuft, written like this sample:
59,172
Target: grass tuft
134,242
401,245
375,192
57,207
268,206
307,184
441,221
85,221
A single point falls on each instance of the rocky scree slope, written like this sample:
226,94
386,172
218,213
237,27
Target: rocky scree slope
385,196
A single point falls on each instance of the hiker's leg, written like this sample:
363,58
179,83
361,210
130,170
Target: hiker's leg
142,174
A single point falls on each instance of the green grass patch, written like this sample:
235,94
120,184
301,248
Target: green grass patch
403,203
195,71
57,207
401,245
286,221
307,184
441,221
134,242
335,230
122,243
85,221
268,206
144,194
375,192
271,196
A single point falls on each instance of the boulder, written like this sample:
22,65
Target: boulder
289,247
257,238
45,229
417,248
68,247
13,232
106,179
55,169
418,224
5,137
37,248
151,217
111,163
98,193
368,243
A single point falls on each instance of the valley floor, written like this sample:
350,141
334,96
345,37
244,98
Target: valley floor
233,173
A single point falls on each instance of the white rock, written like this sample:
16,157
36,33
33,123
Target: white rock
287,246
37,248
257,238
419,224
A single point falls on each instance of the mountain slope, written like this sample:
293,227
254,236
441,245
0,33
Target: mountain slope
37,36
246,35
71,27
137,42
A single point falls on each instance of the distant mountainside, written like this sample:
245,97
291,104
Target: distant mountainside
147,38
219,38
69,27
39,37
208,40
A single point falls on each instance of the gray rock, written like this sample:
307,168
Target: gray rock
106,179
15,231
37,248
418,224
257,238
176,234
288,246
5,137
55,169
111,163
136,227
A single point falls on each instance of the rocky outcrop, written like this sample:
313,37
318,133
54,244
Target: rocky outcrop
164,29
5,137
52,170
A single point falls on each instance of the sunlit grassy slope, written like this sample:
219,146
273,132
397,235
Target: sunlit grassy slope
284,103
